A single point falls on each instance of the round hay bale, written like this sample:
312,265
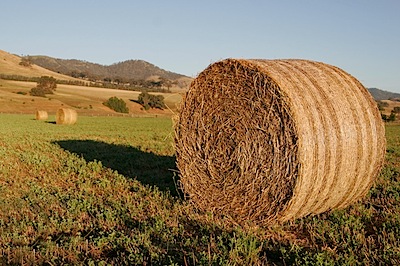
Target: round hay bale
41,115
274,140
65,116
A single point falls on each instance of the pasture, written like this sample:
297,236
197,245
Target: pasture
15,98
105,191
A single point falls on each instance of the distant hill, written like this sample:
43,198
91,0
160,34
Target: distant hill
10,65
122,71
17,78
383,95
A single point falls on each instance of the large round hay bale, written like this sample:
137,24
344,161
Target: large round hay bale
274,140
65,116
41,115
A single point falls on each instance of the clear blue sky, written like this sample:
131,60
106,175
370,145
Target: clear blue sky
360,36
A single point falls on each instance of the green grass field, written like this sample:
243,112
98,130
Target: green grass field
104,191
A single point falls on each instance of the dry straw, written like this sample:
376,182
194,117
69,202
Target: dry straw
41,115
65,116
274,140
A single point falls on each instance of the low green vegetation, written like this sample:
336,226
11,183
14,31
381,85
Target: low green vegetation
117,104
104,192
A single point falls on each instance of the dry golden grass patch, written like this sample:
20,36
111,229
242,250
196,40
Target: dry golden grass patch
86,100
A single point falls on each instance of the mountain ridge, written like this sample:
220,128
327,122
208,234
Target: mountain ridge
132,69
380,95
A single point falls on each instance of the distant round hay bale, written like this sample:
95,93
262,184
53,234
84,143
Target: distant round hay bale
274,140
65,116
41,115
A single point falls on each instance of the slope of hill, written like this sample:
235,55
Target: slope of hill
10,65
127,70
15,96
383,95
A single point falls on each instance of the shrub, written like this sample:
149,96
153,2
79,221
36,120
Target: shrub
117,104
151,101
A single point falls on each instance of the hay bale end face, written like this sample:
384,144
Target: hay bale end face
274,140
65,116
41,115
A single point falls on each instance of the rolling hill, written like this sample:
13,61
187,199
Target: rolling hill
136,70
123,71
15,97
10,65
383,95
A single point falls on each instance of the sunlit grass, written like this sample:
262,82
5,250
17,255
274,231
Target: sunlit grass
104,191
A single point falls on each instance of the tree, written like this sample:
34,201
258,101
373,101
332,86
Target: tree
77,74
26,61
151,101
393,114
144,100
392,117
167,83
117,104
45,85
396,110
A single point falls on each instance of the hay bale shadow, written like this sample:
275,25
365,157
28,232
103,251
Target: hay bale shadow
146,167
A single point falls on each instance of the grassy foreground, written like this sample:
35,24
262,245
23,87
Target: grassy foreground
103,192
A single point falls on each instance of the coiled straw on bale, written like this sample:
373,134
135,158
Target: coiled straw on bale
274,140
41,115
65,116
